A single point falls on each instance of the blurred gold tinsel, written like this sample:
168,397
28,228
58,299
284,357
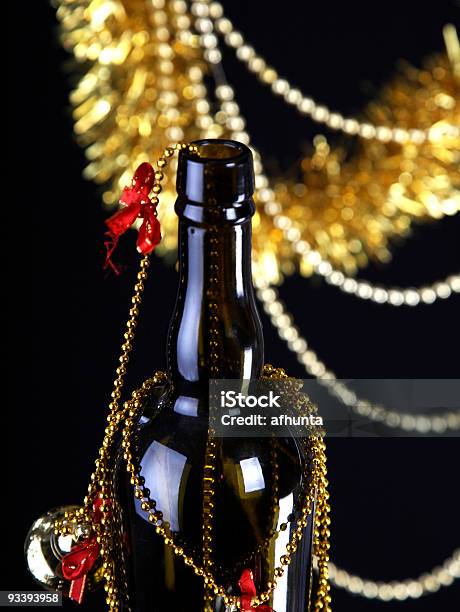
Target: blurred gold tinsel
142,87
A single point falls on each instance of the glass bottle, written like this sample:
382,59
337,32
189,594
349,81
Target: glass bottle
215,332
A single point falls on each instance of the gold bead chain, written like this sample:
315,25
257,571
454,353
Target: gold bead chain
398,590
316,447
125,418
377,293
296,343
209,468
281,87
208,17
140,92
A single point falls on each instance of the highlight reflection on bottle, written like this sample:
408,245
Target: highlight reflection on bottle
215,332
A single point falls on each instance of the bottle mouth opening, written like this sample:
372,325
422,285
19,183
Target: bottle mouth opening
219,172
216,150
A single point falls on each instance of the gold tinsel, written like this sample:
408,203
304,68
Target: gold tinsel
349,209
142,87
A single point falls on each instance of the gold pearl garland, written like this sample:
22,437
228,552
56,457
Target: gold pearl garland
293,230
145,87
209,468
379,294
126,419
318,483
365,290
399,590
306,105
287,331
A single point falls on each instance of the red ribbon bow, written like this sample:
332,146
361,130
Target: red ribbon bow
135,203
76,565
248,591
79,561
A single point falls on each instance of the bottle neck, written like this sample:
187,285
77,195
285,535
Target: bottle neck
215,331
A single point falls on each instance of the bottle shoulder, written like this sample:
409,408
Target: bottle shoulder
174,428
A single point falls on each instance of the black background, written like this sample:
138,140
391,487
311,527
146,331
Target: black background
395,500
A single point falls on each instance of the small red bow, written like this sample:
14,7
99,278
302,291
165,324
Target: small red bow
79,561
76,565
135,203
248,591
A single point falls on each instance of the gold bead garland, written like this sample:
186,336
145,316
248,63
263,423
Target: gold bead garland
321,534
128,417
125,419
307,106
265,272
296,343
211,450
144,86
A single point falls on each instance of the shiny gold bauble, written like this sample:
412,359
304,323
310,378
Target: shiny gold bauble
44,550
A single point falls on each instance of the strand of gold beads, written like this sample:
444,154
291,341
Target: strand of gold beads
205,23
292,234
143,86
100,479
127,417
289,332
365,290
442,575
306,105
100,482
209,469
318,489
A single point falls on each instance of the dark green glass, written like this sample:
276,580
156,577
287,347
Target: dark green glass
215,332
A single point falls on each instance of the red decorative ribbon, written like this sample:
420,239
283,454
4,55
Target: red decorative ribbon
82,557
248,592
76,565
136,204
